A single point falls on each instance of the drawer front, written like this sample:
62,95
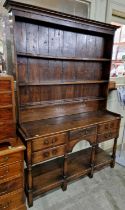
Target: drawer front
6,114
5,99
11,158
10,186
47,154
7,130
11,171
51,141
81,133
105,127
12,201
5,85
107,136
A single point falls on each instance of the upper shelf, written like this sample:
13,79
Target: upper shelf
63,82
42,104
60,57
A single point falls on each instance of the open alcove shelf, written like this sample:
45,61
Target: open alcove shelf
62,72
78,167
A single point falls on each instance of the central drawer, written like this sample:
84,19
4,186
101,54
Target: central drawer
47,154
82,132
51,141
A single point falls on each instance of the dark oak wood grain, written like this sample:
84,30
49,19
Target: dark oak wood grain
62,72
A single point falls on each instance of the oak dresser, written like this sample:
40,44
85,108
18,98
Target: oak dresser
62,68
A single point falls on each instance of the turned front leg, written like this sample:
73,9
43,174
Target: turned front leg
29,175
92,161
65,168
114,153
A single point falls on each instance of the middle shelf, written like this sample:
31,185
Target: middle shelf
50,57
62,82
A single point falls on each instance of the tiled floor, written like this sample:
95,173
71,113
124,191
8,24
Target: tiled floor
106,191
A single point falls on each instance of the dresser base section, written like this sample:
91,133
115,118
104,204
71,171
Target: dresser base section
49,175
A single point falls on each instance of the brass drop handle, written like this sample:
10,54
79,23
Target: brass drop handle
46,141
5,172
5,205
110,134
46,154
54,152
6,158
106,126
83,132
87,132
54,140
106,135
111,125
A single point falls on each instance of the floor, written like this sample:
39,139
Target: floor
106,191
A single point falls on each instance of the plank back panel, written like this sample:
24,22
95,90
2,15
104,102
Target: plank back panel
40,113
42,51
38,39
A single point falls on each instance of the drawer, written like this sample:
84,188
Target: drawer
7,130
51,141
12,185
5,85
107,136
102,128
6,114
47,154
5,99
11,171
12,201
11,158
80,133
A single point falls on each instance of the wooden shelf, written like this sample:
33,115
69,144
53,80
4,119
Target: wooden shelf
102,159
64,83
60,102
60,57
49,175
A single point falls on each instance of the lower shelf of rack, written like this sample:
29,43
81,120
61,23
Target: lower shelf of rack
49,175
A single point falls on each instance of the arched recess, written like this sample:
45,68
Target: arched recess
78,145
